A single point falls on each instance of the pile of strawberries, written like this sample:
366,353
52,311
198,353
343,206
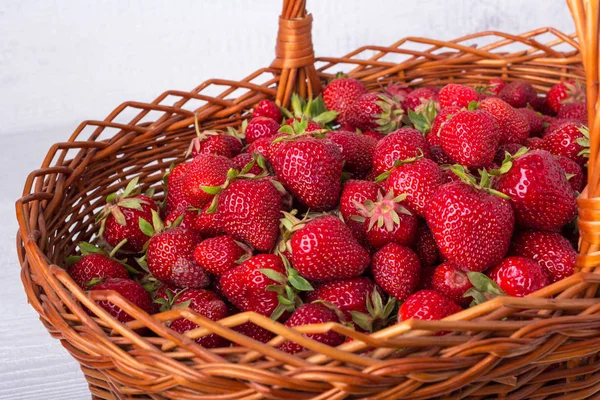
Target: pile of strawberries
357,207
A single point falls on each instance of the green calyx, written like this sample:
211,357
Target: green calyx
311,110
576,92
483,288
423,119
507,163
116,201
485,183
584,141
378,316
170,303
391,116
398,163
384,212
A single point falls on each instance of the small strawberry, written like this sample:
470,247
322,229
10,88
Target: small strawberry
400,90
550,250
95,264
375,111
513,125
131,291
495,85
556,124
347,294
357,150
356,191
544,199
260,127
261,146
214,142
564,93
340,94
323,249
518,276
471,223
418,97
518,94
427,305
425,247
399,145
534,119
309,314
573,172
217,255
266,108
243,159
396,270
203,302
456,95
471,138
576,111
204,171
452,282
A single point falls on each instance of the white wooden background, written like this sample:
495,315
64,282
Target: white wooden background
64,61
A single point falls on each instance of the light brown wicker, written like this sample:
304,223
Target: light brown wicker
542,346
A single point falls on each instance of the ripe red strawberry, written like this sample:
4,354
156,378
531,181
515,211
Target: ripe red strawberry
541,105
254,331
433,137
471,226
94,265
356,191
207,224
266,108
347,294
357,150
471,138
543,199
573,172
387,221
250,210
564,93
324,249
246,286
261,146
418,97
309,314
518,276
375,111
456,95
175,198
518,94
131,291
556,124
217,255
550,250
425,247
374,134
311,126
311,169
215,142
241,160
205,170
260,127
576,111
535,120
534,143
205,303
340,94
452,282
513,125
418,180
186,217
396,270
427,305
495,85
399,145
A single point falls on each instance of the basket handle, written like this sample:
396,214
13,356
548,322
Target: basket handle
294,54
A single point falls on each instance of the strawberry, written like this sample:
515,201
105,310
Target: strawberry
540,105
399,145
439,157
433,137
518,94
340,94
266,108
208,224
513,126
261,146
214,142
534,143
427,305
534,119
426,279
417,178
550,250
564,93
456,95
495,85
243,159
323,249
347,294
573,172
470,138
205,303
556,124
518,276
131,291
184,218
452,282
425,247
471,223
311,169
357,150
396,270
260,127
400,90
217,255
375,111
94,264
309,314
254,331
204,171
119,218
576,111
543,199
356,191
418,97
374,134
387,221
173,184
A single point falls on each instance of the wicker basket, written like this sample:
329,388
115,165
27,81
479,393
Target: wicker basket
542,346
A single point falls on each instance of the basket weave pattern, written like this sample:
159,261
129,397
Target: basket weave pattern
538,347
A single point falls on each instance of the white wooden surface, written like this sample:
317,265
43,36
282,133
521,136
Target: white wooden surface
64,61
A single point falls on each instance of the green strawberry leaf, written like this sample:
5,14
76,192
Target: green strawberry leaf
274,275
484,284
72,259
146,227
88,248
211,189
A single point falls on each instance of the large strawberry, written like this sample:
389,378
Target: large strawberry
470,138
396,270
347,294
131,291
218,254
204,171
513,125
471,223
518,276
95,264
427,305
119,220
433,137
266,108
324,249
357,150
564,93
456,95
539,191
452,282
518,94
568,139
375,111
340,94
311,169
399,145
